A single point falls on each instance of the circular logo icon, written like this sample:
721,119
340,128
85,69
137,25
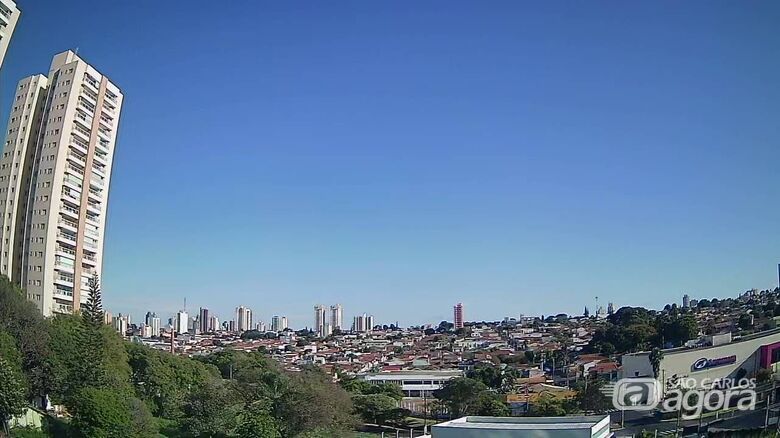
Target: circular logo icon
700,364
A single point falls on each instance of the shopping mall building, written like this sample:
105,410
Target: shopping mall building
723,358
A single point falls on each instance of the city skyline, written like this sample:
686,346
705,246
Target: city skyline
493,165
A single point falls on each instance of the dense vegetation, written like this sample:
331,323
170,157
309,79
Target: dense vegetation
113,388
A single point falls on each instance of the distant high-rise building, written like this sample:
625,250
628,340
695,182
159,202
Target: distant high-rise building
54,180
278,323
243,319
319,320
458,316
610,308
686,302
182,322
9,15
363,323
213,323
337,317
148,318
121,324
154,323
204,320
260,326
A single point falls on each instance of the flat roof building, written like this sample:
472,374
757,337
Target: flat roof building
596,426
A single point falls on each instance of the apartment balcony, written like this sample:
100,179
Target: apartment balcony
97,181
90,260
84,117
67,238
86,106
64,251
77,159
102,146
70,198
62,292
79,145
64,279
73,181
101,159
67,224
81,134
90,245
99,170
69,211
94,219
89,95
94,207
95,194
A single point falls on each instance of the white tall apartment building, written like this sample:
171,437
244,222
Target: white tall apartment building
54,179
9,15
278,323
337,317
319,320
182,322
243,319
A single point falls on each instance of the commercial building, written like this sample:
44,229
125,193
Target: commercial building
524,427
54,180
414,383
457,316
9,16
721,358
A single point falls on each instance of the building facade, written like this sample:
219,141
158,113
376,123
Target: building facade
9,16
457,316
243,318
722,359
337,317
319,320
54,180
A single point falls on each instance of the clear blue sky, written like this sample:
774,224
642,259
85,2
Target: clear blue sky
399,157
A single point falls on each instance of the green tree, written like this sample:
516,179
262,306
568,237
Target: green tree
590,397
489,405
379,409
256,422
655,357
12,393
101,413
460,395
21,320
547,405
92,310
212,410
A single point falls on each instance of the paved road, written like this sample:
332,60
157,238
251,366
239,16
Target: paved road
636,421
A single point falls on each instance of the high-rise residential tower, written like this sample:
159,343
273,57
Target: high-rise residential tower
458,316
9,15
319,320
54,178
243,319
204,320
337,317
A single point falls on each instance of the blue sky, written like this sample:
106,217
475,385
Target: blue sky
399,157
